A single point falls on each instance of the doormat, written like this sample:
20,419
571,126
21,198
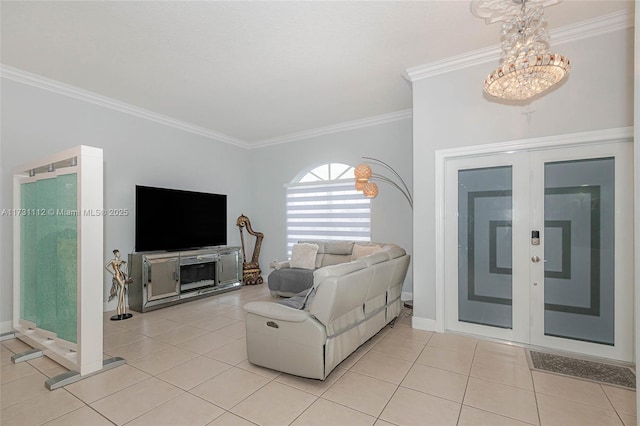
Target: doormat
582,369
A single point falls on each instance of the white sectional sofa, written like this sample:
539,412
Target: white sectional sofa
347,305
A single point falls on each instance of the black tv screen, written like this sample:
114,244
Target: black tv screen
170,219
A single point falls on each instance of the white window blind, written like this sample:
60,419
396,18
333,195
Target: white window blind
327,211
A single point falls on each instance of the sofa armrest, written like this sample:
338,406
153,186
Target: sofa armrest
276,311
279,264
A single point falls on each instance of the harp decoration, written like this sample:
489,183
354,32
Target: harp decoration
251,273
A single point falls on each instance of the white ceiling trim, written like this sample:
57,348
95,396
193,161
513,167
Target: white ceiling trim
581,30
335,128
40,82
21,76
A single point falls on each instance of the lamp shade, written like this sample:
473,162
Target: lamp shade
360,185
362,172
370,190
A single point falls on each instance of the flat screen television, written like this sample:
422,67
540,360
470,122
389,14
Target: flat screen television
170,219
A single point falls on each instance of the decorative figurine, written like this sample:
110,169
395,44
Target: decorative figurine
118,286
251,273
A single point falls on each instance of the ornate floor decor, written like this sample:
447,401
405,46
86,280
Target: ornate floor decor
583,369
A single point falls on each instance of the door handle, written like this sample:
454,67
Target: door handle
536,259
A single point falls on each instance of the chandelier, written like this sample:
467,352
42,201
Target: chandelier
527,68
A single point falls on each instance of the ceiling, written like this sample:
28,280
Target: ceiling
252,72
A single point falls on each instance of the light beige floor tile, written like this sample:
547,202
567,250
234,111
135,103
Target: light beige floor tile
264,372
180,335
420,337
152,329
236,314
84,416
452,342
138,349
237,330
316,387
381,422
221,309
40,409
501,399
457,362
557,411
274,404
139,319
361,393
441,383
109,329
623,400
113,341
5,357
229,419
186,409
230,387
193,372
398,347
213,324
206,342
382,366
409,407
162,360
507,373
47,366
22,389
470,416
628,420
125,405
104,384
323,413
11,372
233,352
189,316
503,352
16,345
571,389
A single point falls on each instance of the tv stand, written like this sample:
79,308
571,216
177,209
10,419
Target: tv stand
162,279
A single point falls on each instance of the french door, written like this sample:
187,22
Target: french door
539,248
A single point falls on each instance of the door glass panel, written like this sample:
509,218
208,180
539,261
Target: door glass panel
484,246
579,250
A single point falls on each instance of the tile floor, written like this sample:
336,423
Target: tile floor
187,365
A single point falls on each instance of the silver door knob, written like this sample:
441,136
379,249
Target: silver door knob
535,259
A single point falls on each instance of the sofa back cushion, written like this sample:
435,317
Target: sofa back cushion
332,252
362,250
303,255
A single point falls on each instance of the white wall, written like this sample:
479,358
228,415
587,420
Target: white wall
274,166
451,111
36,123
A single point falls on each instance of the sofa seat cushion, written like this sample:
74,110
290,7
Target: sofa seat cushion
297,301
288,282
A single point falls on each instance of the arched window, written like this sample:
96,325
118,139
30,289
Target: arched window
324,205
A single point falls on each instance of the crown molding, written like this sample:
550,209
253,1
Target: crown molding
585,29
54,86
341,127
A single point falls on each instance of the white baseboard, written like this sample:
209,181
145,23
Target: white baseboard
424,324
6,326
407,295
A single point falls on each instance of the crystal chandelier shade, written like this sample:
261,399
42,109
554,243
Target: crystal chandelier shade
527,67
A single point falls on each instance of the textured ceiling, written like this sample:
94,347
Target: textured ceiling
251,70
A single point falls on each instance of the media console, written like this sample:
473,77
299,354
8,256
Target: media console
165,278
